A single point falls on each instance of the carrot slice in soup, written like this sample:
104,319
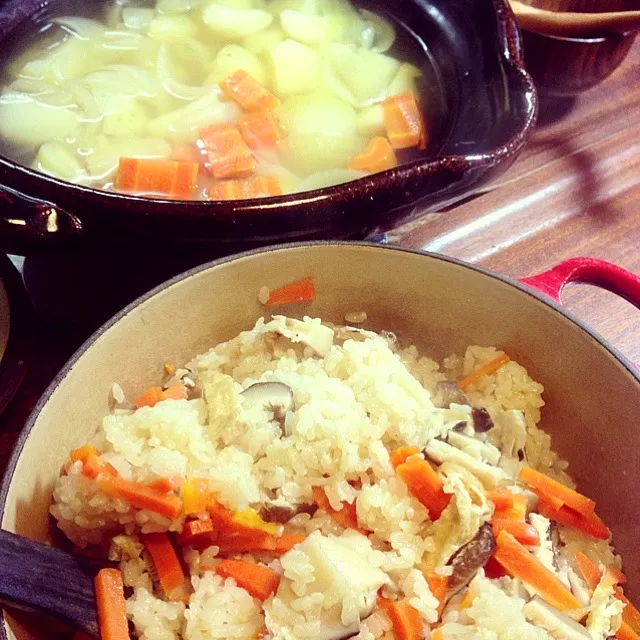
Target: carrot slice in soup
404,122
260,129
248,92
227,153
377,156
154,176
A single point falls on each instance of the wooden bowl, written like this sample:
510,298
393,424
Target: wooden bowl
592,395
568,66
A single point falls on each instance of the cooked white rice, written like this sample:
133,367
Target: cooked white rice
355,398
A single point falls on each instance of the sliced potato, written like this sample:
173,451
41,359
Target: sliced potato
177,6
405,80
310,7
172,28
319,112
370,121
60,160
125,117
232,58
312,29
235,23
295,68
261,41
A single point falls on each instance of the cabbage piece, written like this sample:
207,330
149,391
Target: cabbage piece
103,153
60,160
358,75
232,58
405,80
30,121
184,124
235,23
295,68
261,41
172,28
310,153
312,29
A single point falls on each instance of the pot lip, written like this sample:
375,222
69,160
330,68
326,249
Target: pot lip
510,55
89,342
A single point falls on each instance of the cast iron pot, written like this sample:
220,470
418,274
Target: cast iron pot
592,394
479,123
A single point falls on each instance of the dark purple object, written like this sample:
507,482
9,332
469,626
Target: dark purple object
489,108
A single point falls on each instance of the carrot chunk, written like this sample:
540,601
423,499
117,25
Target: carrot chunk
405,619
400,455
521,564
198,533
82,453
150,397
165,559
378,155
227,153
195,496
589,524
424,484
502,498
403,122
438,585
141,496
517,512
485,370
347,517
260,581
298,291
111,605
162,177
548,487
248,92
523,532
175,392
256,187
260,129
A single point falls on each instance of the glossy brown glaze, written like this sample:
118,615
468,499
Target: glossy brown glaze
491,107
567,66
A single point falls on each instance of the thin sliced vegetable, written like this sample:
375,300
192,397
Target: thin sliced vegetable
111,605
165,559
523,532
82,453
521,564
425,485
405,619
141,496
347,517
517,512
256,187
548,487
260,581
164,485
502,499
298,291
260,129
161,177
590,573
591,524
198,533
277,546
438,586
195,496
247,92
403,122
400,455
227,153
485,370
93,465
630,615
625,632
377,156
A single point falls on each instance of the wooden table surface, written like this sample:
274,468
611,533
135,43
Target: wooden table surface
574,191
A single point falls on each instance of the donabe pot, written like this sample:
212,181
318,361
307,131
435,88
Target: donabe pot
592,394
488,111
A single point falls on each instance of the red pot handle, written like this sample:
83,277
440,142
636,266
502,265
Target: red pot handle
591,271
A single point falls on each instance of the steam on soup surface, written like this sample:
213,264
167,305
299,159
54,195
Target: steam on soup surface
215,100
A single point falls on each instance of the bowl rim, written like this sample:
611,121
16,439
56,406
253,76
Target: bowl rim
292,246
511,55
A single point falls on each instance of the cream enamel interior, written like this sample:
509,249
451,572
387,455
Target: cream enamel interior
592,400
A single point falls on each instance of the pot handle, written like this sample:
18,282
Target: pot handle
28,224
590,271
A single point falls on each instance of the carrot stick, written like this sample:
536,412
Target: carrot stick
141,496
424,484
297,291
547,486
166,562
517,512
195,496
93,466
164,485
228,155
405,620
256,187
630,614
346,517
163,177
260,581
377,156
247,92
271,544
485,370
625,632
401,454
111,605
438,585
591,524
82,453
260,129
198,533
523,532
150,397
502,499
287,541
403,122
521,564
590,573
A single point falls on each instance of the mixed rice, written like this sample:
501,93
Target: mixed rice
297,449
